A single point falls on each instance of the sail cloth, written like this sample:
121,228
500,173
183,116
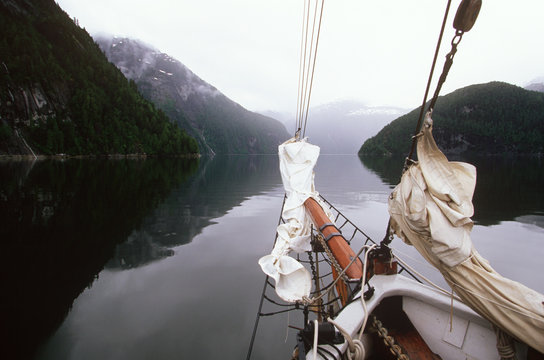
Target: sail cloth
297,161
431,209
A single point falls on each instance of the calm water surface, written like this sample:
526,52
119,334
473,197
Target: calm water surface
157,259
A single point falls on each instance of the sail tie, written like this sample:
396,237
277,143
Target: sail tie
505,344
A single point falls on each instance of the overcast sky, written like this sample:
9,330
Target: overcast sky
379,52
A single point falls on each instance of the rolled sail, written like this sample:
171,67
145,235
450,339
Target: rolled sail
431,209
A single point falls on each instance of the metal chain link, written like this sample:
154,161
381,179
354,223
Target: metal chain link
388,340
312,266
447,65
331,256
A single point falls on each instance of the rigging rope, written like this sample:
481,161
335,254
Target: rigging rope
263,295
356,349
302,64
316,303
307,65
466,16
421,111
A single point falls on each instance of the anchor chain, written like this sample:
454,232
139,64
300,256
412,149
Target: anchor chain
331,257
312,266
447,65
388,340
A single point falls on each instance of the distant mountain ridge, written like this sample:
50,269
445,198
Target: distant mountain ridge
219,124
535,87
489,119
340,126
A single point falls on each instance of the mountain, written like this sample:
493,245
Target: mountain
219,124
284,117
338,127
59,94
535,87
490,119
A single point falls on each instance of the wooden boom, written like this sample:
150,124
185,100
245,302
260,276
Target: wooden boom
337,243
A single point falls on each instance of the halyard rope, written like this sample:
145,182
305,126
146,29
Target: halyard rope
465,289
307,65
421,111
312,300
355,346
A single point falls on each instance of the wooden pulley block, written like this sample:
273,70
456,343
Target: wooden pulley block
466,15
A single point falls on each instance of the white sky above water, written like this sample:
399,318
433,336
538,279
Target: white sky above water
379,52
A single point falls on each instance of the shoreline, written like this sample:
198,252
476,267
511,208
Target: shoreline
28,157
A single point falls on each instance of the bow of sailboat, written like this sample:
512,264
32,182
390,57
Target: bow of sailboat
377,304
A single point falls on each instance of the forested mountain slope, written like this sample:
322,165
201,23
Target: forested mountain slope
492,118
59,93
219,124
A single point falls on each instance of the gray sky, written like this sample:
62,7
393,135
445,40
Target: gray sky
379,52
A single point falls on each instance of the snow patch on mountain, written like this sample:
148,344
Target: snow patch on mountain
137,61
375,111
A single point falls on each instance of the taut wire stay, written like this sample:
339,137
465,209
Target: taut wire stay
308,53
465,17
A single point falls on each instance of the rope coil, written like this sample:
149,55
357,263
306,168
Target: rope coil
505,344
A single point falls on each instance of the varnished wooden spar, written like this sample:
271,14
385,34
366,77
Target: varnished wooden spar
341,287
339,246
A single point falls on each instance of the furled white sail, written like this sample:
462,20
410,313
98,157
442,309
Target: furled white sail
431,209
297,161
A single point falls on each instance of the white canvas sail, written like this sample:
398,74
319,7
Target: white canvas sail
297,161
431,209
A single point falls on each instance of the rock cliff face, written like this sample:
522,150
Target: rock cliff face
21,102
23,106
219,124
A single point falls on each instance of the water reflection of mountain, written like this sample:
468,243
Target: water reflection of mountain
388,168
506,188
61,221
219,185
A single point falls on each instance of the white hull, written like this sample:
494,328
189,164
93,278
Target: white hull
471,336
